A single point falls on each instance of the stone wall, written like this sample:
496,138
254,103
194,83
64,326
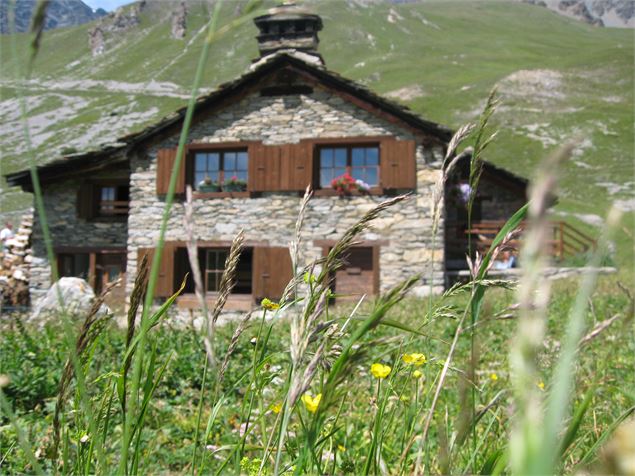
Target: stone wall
502,202
67,230
407,228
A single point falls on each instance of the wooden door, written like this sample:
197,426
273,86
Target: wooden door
109,267
358,276
271,272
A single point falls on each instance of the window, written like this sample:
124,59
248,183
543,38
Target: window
113,200
214,267
73,265
212,264
216,171
98,267
361,162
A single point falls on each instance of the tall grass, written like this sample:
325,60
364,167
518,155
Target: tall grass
300,381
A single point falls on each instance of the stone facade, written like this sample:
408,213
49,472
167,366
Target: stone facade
405,231
68,230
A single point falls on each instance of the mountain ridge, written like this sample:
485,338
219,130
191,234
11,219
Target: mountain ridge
59,14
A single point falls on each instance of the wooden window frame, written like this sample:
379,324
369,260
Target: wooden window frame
221,148
218,273
356,141
349,160
121,213
92,253
375,245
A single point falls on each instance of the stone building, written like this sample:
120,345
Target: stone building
254,146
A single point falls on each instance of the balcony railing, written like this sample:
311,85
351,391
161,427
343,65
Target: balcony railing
565,240
114,207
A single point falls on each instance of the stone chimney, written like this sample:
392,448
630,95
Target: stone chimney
289,27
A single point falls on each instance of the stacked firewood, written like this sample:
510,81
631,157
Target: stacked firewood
15,258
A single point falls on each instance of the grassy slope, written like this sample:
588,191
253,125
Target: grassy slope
455,51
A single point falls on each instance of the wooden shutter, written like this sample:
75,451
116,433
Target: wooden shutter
264,168
86,201
271,272
165,164
397,164
296,166
165,282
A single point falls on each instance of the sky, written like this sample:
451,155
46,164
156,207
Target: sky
108,5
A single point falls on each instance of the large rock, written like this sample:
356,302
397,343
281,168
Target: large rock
77,296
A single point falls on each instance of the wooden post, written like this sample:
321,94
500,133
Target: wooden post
561,240
92,271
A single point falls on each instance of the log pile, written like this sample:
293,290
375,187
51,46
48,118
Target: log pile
15,258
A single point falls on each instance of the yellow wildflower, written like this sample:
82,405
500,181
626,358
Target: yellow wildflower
276,408
269,305
404,398
309,278
493,377
417,374
341,448
414,359
311,403
541,385
380,370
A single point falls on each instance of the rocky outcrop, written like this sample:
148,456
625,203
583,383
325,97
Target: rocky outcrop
76,295
178,21
96,41
59,14
124,18
578,9
624,10
611,13
15,259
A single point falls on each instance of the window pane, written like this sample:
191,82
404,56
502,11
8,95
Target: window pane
358,156
108,193
200,162
372,156
241,175
213,162
326,158
221,258
198,178
325,177
241,162
229,162
339,171
213,280
371,176
211,260
340,157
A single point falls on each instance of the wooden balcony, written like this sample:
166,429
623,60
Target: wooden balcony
113,207
565,241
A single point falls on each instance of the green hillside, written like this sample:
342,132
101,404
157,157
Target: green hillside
559,79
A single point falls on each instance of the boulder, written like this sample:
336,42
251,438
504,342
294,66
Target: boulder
77,296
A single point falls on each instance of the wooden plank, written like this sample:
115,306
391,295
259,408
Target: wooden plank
92,270
264,168
260,272
296,166
358,275
165,164
86,204
397,164
272,168
165,282
271,272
